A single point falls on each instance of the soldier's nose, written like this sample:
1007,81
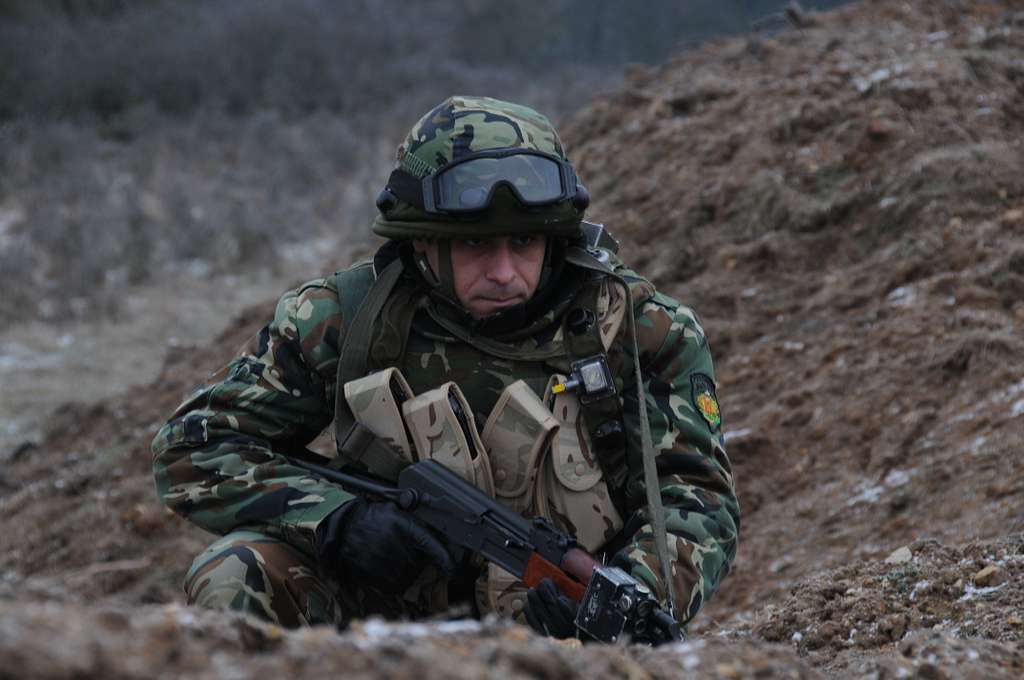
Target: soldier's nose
500,268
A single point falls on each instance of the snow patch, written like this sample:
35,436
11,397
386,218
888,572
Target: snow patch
971,592
737,434
376,629
904,296
871,493
868,494
878,76
918,587
897,478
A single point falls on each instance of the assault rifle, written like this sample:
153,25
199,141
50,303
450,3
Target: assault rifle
611,602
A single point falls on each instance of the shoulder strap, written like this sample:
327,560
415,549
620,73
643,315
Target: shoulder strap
357,446
603,416
352,285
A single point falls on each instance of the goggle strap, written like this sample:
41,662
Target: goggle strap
406,187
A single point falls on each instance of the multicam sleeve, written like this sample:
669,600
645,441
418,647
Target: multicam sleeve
702,513
217,461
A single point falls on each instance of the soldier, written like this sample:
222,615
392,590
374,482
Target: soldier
484,306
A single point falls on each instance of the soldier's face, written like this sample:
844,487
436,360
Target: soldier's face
492,274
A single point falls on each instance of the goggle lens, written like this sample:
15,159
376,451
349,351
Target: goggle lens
469,185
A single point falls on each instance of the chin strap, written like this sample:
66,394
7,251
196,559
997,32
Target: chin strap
447,274
442,283
423,266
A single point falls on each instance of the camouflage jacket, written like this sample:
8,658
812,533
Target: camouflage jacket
218,462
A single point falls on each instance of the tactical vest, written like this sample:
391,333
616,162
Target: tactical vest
540,453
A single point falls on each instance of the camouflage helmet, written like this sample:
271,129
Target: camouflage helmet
456,128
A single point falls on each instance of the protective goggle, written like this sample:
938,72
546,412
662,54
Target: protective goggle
467,185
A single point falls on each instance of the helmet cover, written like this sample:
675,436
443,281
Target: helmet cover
460,126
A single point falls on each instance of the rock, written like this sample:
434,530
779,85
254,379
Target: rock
893,626
729,670
899,556
990,576
929,671
880,129
1012,218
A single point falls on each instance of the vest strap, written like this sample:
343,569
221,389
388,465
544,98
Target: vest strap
603,416
358,447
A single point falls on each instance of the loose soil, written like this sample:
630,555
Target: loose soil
843,204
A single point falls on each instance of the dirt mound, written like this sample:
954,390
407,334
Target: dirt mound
177,642
837,616
843,205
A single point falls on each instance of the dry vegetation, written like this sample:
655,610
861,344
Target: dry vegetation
154,140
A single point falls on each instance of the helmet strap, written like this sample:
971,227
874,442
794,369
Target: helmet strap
441,282
447,273
550,246
423,267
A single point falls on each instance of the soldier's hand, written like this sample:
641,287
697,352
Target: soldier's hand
382,546
550,612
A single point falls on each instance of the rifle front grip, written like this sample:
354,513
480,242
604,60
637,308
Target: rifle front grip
571,576
538,568
580,564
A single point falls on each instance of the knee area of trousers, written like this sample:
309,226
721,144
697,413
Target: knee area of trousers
225,578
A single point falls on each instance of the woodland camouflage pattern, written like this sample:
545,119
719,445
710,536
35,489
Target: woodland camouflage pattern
218,462
462,125
240,571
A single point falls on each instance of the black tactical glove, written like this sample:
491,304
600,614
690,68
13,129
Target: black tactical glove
549,612
379,545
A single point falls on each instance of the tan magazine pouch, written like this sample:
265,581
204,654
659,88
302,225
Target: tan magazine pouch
376,402
443,429
517,432
571,488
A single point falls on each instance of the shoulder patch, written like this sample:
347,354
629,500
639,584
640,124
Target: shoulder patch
702,393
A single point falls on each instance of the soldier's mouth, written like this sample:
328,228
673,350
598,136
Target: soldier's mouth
502,303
